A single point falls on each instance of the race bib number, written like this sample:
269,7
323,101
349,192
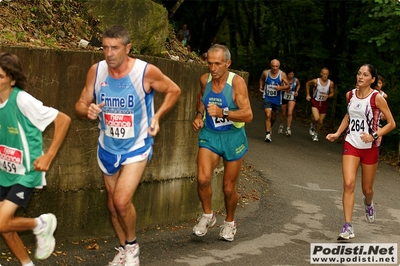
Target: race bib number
321,96
289,96
220,121
119,126
271,91
11,160
357,125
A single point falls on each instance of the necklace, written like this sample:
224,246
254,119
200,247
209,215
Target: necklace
363,93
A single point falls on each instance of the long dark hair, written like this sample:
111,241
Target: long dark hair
374,74
11,65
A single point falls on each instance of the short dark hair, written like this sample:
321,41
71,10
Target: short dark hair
117,31
11,65
290,70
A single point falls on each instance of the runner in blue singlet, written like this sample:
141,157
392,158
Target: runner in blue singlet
289,102
272,82
223,109
119,91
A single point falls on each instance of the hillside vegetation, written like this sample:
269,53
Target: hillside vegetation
43,23
61,24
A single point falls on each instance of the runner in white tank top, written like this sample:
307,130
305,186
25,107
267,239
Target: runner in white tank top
361,143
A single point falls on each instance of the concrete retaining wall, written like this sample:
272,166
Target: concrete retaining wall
75,191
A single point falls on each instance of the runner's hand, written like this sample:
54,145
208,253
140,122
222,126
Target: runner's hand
154,127
198,123
94,110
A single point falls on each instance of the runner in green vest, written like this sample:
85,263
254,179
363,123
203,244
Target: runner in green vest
22,161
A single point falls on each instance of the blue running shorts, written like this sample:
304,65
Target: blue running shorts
268,105
111,163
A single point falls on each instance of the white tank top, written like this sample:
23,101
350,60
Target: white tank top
363,117
320,91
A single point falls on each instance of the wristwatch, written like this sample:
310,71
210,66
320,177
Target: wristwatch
375,136
198,112
225,112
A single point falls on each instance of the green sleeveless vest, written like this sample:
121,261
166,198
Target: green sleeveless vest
20,144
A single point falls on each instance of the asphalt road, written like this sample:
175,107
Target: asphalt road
291,193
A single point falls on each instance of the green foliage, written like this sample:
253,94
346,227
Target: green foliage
305,35
379,43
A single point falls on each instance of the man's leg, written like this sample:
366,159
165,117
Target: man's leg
273,118
231,174
121,188
206,163
268,116
10,225
15,244
320,123
314,115
282,116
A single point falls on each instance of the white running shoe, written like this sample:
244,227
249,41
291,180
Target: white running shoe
280,130
315,137
45,239
370,213
132,255
227,232
312,129
119,259
288,132
268,137
203,223
347,232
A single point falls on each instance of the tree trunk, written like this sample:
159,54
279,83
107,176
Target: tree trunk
172,11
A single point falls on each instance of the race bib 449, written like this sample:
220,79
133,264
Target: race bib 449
119,126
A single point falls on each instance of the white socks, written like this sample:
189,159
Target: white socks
208,215
38,227
230,223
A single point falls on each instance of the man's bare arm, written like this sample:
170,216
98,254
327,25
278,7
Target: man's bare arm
86,98
241,98
308,85
331,90
286,81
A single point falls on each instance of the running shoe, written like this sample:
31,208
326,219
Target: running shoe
45,239
203,223
119,259
280,130
347,232
312,129
268,137
370,213
132,255
288,132
227,232
315,137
